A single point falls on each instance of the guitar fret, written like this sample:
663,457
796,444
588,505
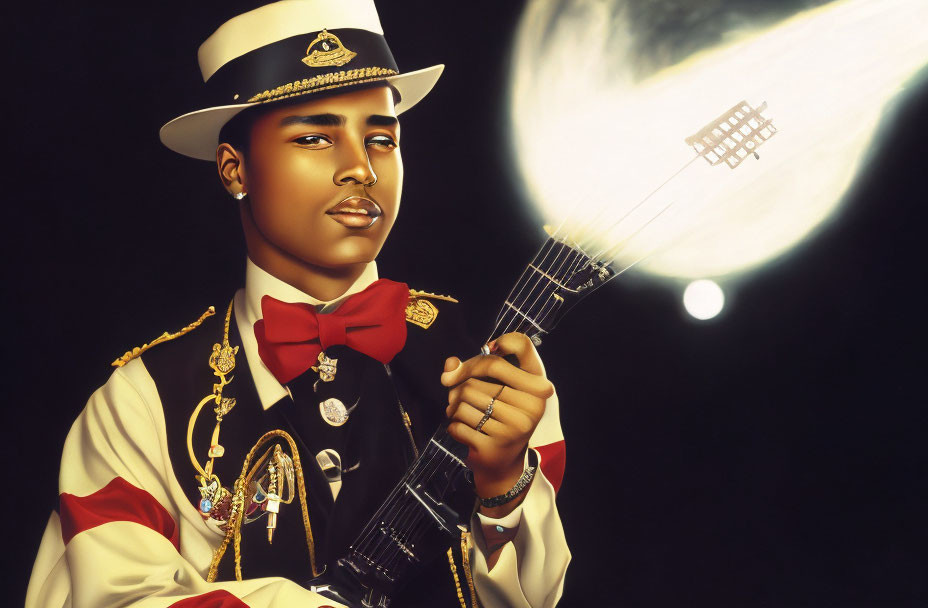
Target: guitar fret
525,316
446,451
425,506
549,277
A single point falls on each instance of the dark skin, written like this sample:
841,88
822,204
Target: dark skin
323,180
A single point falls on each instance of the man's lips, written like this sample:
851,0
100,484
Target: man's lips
355,212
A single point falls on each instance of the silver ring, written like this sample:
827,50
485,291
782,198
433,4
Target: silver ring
486,415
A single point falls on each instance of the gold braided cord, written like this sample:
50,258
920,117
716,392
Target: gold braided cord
215,396
237,514
190,424
225,326
465,561
457,581
138,350
323,82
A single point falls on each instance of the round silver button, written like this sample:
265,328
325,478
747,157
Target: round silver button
333,412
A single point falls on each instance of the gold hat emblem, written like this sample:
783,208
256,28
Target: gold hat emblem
327,50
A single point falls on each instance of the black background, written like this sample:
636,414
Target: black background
772,457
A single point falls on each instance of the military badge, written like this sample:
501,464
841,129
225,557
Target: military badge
421,312
327,50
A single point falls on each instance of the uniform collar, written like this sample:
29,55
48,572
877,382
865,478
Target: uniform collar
259,283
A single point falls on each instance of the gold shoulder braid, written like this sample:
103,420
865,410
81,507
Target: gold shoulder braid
261,488
420,311
138,350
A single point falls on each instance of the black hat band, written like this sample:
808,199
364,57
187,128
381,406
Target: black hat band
302,64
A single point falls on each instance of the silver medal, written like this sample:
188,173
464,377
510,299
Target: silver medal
333,412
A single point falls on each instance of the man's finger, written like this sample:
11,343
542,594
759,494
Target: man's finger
468,436
471,416
491,366
519,399
521,346
507,414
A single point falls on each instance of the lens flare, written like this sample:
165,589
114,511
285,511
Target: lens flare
703,299
589,131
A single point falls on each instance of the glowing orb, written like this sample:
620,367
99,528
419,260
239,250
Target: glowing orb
703,299
589,130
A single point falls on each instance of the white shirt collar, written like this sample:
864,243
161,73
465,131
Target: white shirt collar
259,283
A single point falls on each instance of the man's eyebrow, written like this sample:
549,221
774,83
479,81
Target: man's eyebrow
379,120
319,120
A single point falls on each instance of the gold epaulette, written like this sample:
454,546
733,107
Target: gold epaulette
415,293
138,350
420,311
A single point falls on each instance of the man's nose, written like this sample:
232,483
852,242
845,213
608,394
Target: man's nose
355,166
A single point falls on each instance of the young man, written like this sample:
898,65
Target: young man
348,372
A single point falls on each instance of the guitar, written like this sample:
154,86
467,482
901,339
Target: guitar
391,546
396,538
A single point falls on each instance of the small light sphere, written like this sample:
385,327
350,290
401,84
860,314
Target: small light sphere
703,299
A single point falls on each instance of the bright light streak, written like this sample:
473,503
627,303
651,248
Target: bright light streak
703,299
587,133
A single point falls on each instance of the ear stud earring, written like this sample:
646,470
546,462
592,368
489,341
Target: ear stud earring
238,196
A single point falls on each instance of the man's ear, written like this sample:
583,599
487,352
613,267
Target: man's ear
231,167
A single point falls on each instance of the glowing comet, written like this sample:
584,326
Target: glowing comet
588,131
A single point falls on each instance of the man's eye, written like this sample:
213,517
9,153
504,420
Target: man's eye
382,140
313,141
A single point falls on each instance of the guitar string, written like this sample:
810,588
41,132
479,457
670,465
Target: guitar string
642,202
400,521
387,509
613,253
514,304
373,527
580,233
654,251
545,248
389,517
595,258
560,226
429,473
541,271
388,551
413,519
552,241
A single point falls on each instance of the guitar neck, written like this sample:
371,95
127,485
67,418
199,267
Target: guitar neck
559,276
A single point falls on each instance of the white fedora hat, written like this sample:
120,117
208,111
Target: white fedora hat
285,49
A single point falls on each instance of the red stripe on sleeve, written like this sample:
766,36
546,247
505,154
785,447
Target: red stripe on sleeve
553,459
117,501
214,599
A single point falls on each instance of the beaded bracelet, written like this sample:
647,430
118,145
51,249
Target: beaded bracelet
517,489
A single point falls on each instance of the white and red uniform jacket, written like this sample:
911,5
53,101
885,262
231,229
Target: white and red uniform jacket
127,534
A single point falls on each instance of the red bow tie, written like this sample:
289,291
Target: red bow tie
291,335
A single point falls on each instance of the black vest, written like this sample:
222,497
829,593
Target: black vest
373,444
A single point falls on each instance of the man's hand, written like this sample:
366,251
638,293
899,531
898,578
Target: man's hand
497,450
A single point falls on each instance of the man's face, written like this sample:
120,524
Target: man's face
324,177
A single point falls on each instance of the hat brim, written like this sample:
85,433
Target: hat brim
196,134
